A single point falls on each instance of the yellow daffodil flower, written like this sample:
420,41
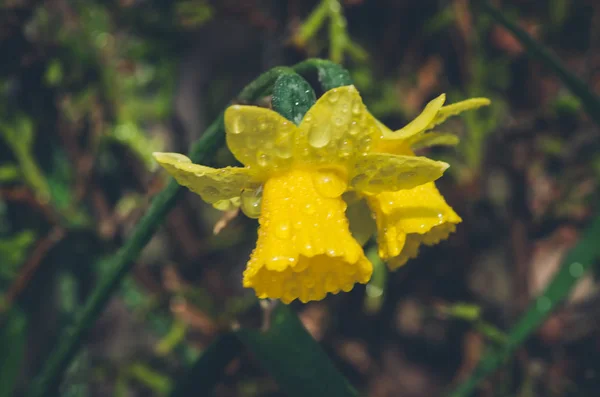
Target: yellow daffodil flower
408,218
292,180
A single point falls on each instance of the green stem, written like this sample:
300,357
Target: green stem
574,266
590,101
122,262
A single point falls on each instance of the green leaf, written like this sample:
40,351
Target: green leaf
12,342
292,97
293,358
331,75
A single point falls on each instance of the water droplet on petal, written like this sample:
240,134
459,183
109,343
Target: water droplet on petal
210,191
356,108
309,209
319,136
354,128
345,148
238,126
329,184
251,200
358,179
405,176
387,170
283,151
263,159
334,96
282,230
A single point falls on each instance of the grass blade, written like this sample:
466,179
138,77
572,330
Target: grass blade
576,263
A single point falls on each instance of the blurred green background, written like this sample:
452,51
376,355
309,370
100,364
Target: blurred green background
89,89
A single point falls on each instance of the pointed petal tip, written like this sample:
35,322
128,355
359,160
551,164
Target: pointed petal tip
165,157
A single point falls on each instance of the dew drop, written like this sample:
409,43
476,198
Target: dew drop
345,148
339,121
405,176
358,179
334,96
283,151
262,159
251,200
210,191
354,128
282,230
319,136
309,209
387,170
238,126
356,108
263,126
329,184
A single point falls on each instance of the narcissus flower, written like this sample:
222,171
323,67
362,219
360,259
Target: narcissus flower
411,217
292,180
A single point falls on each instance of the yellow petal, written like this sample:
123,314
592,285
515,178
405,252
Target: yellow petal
259,138
457,108
433,139
304,248
413,243
410,250
213,185
421,122
379,172
405,214
336,129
